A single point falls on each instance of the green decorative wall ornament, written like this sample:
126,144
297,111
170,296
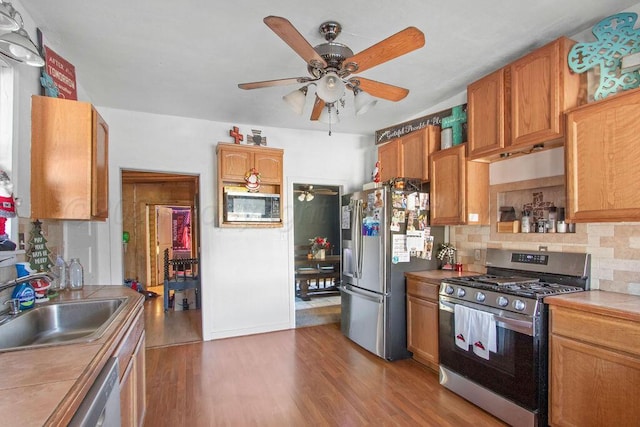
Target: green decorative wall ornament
616,38
455,121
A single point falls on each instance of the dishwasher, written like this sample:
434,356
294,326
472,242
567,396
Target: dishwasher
101,406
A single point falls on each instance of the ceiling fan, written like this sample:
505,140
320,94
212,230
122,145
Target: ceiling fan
307,192
330,64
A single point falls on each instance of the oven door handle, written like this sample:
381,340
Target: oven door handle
521,326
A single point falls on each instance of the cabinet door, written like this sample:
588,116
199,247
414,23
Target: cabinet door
535,96
415,149
448,181
235,163
486,112
389,158
128,396
100,168
140,384
602,154
590,385
270,167
422,330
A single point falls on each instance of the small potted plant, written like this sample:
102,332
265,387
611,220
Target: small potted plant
447,255
319,245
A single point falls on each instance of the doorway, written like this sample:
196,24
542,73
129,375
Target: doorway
316,214
150,199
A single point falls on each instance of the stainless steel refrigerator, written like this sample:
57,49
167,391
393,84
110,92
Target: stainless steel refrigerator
373,293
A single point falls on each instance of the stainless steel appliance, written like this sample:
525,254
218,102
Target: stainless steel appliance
251,207
512,383
373,291
101,406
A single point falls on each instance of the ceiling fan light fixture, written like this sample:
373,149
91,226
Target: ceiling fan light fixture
301,197
18,46
330,87
309,197
329,115
363,101
296,99
8,21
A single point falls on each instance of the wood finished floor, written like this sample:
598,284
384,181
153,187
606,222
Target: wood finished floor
310,376
172,327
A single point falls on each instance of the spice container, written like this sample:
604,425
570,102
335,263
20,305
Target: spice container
76,275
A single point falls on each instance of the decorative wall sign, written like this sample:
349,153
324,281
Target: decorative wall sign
395,131
236,135
62,72
38,253
616,38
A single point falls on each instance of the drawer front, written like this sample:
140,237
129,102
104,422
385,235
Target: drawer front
421,289
614,333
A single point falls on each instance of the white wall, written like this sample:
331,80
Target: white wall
247,274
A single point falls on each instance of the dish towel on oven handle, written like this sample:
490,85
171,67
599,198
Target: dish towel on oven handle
462,326
482,333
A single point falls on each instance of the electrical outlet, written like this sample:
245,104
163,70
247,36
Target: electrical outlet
542,248
477,254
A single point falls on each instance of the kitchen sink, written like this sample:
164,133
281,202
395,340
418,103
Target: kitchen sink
68,322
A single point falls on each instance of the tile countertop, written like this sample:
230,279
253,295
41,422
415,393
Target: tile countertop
614,304
45,386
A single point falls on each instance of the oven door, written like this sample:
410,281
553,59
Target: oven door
513,371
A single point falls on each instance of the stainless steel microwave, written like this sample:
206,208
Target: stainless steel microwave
251,207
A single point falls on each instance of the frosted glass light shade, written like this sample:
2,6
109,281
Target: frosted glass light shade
330,87
8,21
363,101
18,46
296,99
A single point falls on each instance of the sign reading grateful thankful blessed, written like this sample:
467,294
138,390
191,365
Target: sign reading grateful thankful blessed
396,131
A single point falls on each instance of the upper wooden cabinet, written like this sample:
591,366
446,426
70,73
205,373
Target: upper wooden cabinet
69,160
522,105
408,156
602,154
459,189
235,160
487,130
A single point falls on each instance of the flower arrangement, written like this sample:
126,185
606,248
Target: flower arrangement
318,243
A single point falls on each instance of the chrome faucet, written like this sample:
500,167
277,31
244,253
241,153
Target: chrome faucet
24,279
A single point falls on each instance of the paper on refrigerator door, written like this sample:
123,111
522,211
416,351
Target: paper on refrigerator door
399,252
415,240
346,218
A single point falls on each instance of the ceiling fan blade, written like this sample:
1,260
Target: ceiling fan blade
287,32
392,47
277,82
318,105
379,89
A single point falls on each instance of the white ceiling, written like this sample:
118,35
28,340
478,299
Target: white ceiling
185,58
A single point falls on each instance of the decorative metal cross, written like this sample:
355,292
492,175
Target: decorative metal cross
237,136
455,121
616,39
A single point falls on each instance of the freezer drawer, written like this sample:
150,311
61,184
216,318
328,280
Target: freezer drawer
363,319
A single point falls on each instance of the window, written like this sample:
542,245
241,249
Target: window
6,129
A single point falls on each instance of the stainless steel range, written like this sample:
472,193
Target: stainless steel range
493,330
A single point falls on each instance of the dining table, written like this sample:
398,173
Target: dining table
323,272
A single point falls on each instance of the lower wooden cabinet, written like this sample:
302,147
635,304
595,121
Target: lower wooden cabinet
594,369
131,357
422,321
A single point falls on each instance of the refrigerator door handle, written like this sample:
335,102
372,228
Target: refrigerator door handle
377,299
356,231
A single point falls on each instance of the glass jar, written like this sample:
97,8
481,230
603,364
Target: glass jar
76,275
60,273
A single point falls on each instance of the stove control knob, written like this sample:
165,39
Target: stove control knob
518,305
449,290
480,297
461,292
502,301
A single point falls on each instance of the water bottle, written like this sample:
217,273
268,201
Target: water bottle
60,272
76,275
